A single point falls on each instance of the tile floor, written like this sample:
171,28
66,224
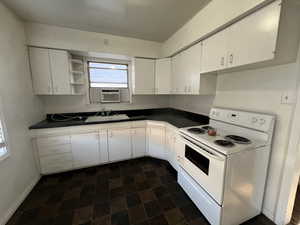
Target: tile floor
136,192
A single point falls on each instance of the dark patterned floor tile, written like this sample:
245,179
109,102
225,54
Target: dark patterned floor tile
133,200
136,192
120,218
102,221
70,204
159,220
160,192
117,192
137,214
83,215
118,204
174,216
102,209
191,212
65,218
147,196
152,208
166,203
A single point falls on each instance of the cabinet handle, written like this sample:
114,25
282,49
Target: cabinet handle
222,61
111,134
231,58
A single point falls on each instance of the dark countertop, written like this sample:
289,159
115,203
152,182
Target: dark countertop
177,118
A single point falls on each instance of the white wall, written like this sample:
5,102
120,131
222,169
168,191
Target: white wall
21,109
70,39
196,104
214,15
65,104
260,90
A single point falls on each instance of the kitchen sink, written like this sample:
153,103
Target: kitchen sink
106,118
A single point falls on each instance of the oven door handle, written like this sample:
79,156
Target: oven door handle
207,153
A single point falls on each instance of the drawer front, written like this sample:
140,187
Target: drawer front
54,168
52,141
209,208
58,159
138,124
57,149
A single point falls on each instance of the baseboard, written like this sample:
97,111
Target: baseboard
18,202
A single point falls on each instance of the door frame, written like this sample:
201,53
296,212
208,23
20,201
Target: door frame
291,168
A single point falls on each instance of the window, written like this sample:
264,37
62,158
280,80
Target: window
3,140
108,75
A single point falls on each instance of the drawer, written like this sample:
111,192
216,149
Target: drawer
209,208
138,124
58,159
55,149
54,168
52,141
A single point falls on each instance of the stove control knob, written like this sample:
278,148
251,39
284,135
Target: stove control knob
254,120
262,121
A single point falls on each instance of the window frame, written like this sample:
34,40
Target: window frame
105,62
4,130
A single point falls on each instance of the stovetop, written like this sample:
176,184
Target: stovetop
224,142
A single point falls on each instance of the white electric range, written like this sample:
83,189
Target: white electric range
225,175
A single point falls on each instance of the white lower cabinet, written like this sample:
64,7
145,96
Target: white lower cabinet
172,146
156,141
119,144
103,146
89,146
138,137
85,149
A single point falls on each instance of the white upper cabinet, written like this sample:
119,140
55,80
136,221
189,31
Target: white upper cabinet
163,76
186,74
254,38
138,142
192,64
85,149
251,40
119,144
50,71
40,69
177,71
144,76
59,61
214,52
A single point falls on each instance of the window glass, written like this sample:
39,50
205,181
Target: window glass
3,143
106,75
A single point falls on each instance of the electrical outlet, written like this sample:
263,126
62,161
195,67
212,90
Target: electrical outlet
288,97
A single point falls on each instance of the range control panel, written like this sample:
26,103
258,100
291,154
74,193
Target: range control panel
262,122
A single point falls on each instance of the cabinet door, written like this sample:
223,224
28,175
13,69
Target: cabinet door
40,70
177,74
103,146
163,76
214,52
253,39
119,144
59,61
144,76
192,68
156,142
138,142
85,148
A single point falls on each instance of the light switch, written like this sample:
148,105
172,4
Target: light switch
288,97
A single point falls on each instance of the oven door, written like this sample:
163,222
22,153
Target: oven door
205,166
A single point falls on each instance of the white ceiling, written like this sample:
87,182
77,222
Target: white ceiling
154,20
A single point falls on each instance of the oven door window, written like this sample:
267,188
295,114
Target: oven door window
197,159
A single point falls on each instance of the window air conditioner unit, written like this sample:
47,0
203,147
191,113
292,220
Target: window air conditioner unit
110,96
